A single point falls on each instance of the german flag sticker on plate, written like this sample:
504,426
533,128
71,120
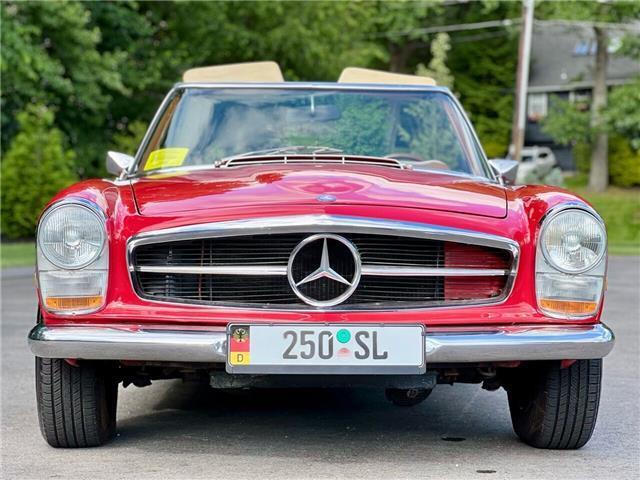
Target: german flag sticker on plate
239,346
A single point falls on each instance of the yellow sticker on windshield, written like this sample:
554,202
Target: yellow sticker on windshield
166,157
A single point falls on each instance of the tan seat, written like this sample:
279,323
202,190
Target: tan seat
250,72
367,75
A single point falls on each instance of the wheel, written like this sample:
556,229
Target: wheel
406,397
76,404
553,407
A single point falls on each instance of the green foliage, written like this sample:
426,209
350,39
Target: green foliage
350,134
484,67
624,163
127,141
589,11
104,67
623,112
566,123
51,56
582,156
437,68
362,129
35,167
430,133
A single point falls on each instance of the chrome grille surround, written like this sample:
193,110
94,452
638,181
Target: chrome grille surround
329,224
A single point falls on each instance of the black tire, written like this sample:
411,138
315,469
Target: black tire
76,404
407,397
553,407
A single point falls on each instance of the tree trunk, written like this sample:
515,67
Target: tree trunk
599,176
399,56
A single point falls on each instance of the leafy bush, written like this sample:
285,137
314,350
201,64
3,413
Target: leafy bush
624,163
128,140
35,167
582,156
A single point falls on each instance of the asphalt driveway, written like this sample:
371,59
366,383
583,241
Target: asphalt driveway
175,430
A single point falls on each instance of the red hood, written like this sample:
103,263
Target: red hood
295,185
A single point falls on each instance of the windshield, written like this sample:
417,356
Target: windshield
207,126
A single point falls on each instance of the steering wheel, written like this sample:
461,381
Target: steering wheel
417,160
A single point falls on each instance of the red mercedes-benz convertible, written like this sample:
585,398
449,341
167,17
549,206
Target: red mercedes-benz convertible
276,234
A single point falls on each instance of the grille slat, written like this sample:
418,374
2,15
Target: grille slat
275,249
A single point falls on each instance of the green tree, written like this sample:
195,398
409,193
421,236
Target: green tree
35,168
437,68
623,112
570,124
597,15
77,58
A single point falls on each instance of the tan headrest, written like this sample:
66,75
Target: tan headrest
366,75
267,72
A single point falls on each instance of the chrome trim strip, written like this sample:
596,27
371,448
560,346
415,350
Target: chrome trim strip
110,343
373,270
444,345
314,86
323,223
309,159
399,271
544,342
216,270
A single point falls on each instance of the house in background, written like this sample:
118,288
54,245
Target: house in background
562,63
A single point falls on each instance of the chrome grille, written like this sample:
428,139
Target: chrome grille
250,270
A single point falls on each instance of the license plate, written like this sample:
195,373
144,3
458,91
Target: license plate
326,349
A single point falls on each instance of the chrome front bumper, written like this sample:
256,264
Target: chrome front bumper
445,345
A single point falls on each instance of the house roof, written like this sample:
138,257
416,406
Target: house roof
562,58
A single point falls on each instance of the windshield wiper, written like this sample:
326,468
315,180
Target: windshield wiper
311,149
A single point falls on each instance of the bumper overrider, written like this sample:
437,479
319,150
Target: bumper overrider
442,345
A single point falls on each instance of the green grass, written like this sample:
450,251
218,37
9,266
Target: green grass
620,209
17,254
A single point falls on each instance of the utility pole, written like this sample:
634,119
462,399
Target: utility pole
522,81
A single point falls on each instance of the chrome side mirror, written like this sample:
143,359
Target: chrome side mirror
117,163
505,169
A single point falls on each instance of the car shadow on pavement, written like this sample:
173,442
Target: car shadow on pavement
315,424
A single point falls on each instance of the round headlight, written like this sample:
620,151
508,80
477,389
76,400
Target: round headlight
573,241
71,236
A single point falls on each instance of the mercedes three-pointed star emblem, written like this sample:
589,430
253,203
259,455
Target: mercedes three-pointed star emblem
325,269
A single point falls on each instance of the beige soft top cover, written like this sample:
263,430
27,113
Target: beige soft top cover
366,75
259,72
269,72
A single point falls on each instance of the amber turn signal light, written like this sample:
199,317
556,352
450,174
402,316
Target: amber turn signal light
74,303
570,307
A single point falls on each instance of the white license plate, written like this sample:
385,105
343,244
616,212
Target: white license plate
326,349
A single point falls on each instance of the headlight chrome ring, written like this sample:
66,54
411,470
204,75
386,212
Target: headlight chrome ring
571,243
81,238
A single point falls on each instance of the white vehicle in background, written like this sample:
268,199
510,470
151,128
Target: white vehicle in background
539,165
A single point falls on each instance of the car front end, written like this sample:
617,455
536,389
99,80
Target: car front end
320,266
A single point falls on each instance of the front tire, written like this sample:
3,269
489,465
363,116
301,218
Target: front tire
553,407
76,404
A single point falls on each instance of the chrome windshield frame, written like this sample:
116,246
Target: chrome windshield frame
132,171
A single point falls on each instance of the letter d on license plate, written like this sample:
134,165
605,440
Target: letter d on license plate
326,349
